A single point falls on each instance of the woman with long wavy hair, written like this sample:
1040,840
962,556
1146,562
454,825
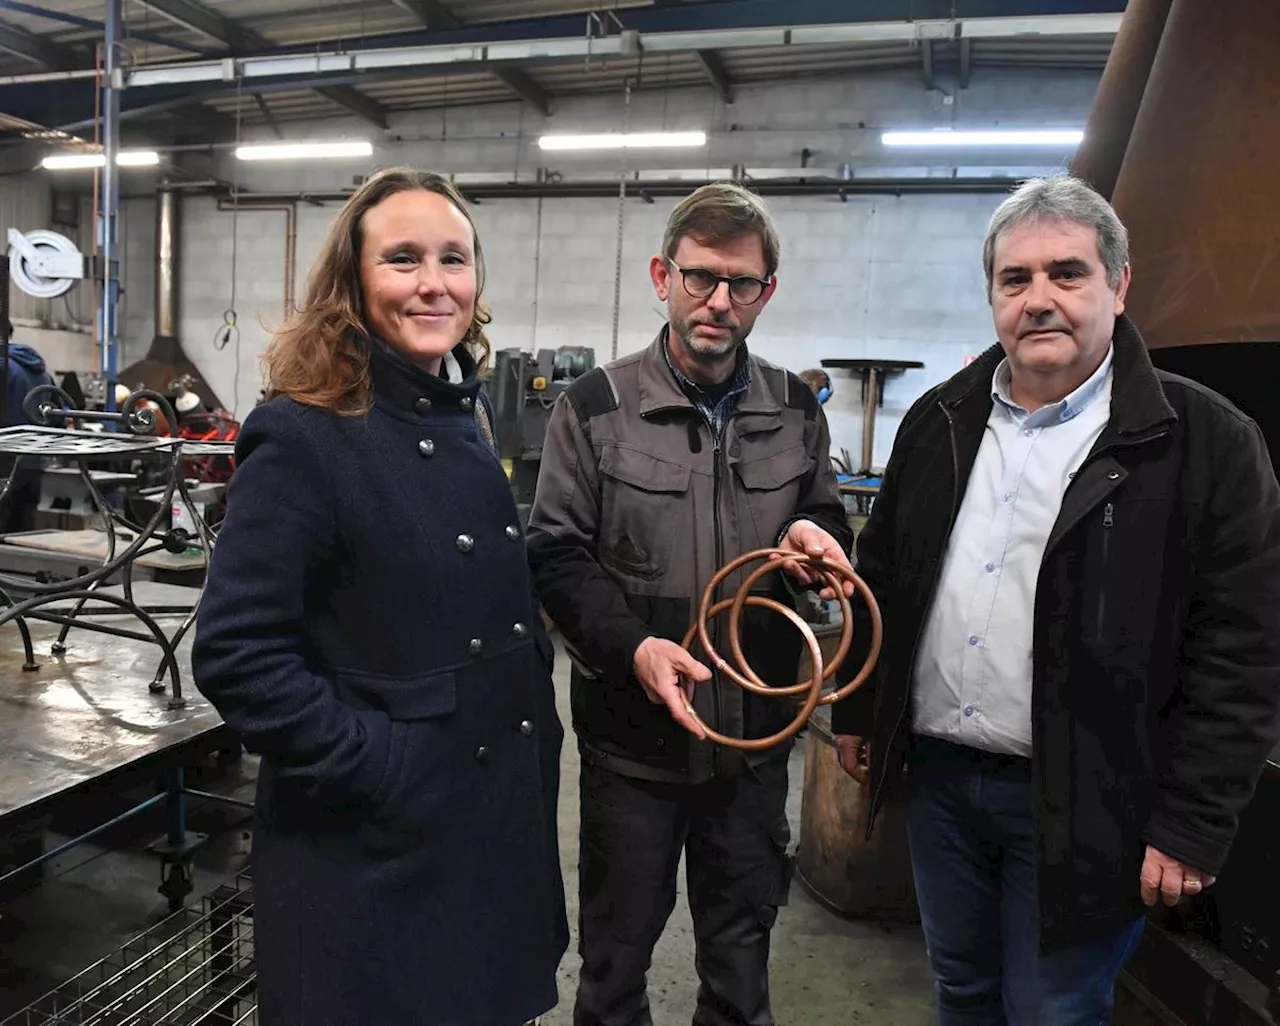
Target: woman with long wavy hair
368,627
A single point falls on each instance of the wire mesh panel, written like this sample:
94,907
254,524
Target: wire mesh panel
48,441
51,441
201,447
195,968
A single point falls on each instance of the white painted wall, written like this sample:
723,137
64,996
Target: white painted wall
876,276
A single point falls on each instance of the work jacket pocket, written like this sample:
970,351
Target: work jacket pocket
645,522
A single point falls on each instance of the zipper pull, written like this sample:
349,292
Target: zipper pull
1108,518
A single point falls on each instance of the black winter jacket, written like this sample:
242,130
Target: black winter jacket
1156,651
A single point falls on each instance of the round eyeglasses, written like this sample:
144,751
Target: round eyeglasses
701,283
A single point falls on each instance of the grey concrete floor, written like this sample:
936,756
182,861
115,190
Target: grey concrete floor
824,970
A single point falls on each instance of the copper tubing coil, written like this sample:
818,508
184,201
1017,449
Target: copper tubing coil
833,576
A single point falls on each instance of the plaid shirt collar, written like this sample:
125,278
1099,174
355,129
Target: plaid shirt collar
716,412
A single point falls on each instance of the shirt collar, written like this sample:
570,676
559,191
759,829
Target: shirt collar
740,381
1064,409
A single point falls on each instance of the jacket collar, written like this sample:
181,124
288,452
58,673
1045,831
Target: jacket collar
1138,403
659,389
400,385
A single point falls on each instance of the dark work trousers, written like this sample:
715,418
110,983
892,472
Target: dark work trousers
735,838
971,824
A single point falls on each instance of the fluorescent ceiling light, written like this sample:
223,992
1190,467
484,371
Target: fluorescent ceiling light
304,151
137,158
622,140
125,158
987,137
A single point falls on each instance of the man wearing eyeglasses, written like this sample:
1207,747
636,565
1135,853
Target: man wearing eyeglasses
656,470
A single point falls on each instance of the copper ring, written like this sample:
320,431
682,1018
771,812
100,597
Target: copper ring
833,575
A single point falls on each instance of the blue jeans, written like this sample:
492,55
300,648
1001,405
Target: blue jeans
971,825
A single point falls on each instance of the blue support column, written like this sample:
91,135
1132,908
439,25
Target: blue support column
112,84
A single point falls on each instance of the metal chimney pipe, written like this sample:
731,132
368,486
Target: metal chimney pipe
167,242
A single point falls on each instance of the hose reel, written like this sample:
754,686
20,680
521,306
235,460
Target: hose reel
44,263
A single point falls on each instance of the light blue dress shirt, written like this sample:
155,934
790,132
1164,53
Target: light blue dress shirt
973,666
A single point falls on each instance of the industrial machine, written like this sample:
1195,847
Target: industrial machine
524,388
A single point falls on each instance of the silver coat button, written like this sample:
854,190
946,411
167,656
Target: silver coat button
426,447
465,542
421,406
520,630
513,532
526,727
465,402
475,646
482,753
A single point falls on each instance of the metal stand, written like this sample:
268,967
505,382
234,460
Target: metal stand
82,447
873,373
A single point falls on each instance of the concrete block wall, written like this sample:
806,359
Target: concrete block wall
877,276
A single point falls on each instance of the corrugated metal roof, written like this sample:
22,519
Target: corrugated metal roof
439,92
1061,51
304,21
286,22
606,75
764,63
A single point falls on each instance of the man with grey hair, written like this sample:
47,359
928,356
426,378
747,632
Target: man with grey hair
1078,561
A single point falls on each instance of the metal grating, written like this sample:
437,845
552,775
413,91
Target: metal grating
195,968
49,441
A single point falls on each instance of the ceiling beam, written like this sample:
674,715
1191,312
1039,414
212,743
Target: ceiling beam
234,36
430,13
98,26
174,97
433,15
206,117
196,123
351,99
36,50
195,16
270,118
523,85
713,67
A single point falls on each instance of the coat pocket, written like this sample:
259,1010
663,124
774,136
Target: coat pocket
640,529
772,485
403,698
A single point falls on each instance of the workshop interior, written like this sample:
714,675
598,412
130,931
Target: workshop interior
168,169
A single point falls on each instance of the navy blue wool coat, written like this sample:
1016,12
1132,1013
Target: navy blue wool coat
368,626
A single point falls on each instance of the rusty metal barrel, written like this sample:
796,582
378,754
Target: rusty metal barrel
1185,141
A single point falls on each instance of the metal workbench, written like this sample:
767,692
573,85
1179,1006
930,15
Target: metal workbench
92,691
91,674
90,714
